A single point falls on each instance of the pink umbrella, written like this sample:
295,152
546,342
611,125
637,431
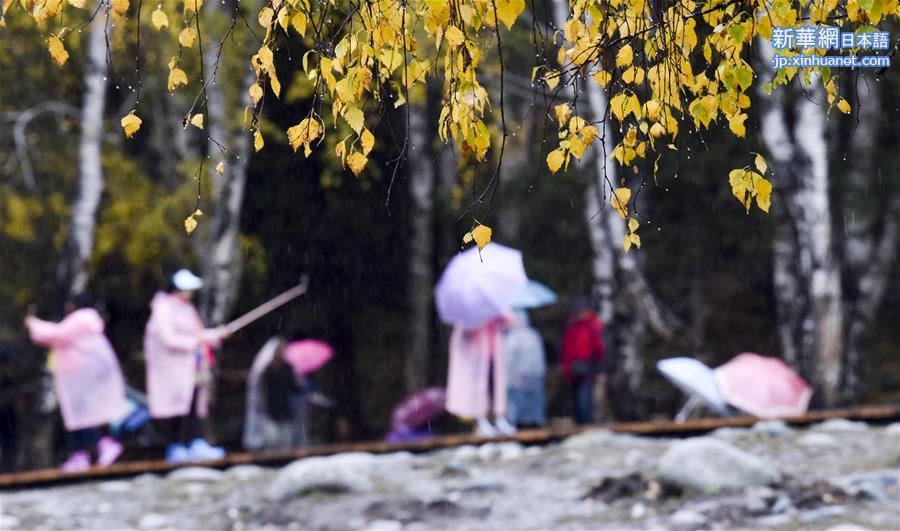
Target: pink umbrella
307,355
418,408
762,386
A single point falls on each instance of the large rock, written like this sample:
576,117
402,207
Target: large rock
772,428
843,425
245,472
818,439
870,484
599,438
153,521
686,518
350,472
504,451
709,464
195,473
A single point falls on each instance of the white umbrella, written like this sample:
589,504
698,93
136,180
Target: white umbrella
697,381
476,287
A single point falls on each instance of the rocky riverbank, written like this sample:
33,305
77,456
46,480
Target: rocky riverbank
836,475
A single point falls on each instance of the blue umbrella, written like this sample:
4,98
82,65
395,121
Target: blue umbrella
534,295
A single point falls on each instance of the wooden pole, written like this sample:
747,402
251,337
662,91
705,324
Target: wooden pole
268,306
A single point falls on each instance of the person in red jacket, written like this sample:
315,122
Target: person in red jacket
582,357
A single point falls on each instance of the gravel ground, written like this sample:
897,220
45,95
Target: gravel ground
836,475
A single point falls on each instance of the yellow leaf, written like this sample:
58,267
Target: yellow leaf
588,134
304,133
602,78
482,235
508,11
634,75
57,51
354,118
256,94
177,77
467,237
119,7
186,37
367,139
77,3
657,130
197,121
555,159
736,124
563,112
357,161
651,110
633,225
617,106
633,106
620,200
159,19
641,149
552,79
763,193
741,186
635,239
190,224
626,243
130,124
274,83
625,56
220,168
844,106
299,22
192,6
265,17
454,36
258,141
266,59
760,163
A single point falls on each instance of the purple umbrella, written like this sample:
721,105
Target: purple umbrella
477,287
418,408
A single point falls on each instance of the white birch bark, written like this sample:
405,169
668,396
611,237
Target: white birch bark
421,252
74,268
866,259
806,275
222,265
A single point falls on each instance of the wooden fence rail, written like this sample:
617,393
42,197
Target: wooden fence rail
49,477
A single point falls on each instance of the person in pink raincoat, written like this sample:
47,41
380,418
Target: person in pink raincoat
476,378
88,380
176,347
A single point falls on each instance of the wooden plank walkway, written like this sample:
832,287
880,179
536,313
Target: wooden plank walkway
50,477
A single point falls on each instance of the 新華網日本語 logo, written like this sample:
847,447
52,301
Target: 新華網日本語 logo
804,38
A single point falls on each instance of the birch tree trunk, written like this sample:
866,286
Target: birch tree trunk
73,270
603,266
866,259
222,264
806,273
421,252
618,278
